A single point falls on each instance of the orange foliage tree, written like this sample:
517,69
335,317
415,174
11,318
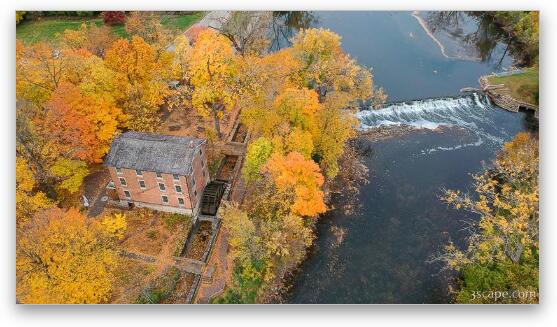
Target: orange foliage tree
299,178
80,126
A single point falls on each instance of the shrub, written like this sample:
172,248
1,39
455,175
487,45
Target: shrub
152,234
172,220
161,289
19,15
113,17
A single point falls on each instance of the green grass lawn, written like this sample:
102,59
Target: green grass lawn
46,28
523,87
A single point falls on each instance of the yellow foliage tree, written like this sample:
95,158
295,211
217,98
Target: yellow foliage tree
244,242
299,141
503,249
27,199
69,174
258,152
326,67
298,107
148,26
93,38
142,75
333,127
64,258
115,224
39,70
213,70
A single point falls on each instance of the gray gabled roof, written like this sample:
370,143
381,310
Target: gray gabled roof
153,152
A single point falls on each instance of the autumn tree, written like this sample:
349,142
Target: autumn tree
39,71
182,95
80,126
265,245
248,253
247,30
258,152
527,31
68,175
273,105
30,145
28,198
147,25
503,248
326,68
213,72
262,80
19,16
301,180
93,38
113,17
62,257
142,77
66,117
333,127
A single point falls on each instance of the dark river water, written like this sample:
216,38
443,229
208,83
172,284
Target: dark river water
382,255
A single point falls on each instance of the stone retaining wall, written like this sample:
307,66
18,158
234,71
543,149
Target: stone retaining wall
504,101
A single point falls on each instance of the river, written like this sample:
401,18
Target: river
379,254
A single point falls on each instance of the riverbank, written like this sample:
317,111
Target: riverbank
522,86
442,47
513,91
429,33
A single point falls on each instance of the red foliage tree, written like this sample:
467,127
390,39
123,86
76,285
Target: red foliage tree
113,17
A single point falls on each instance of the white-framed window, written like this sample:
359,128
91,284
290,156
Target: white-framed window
181,201
118,170
141,183
176,177
164,199
122,181
178,188
159,175
138,172
162,187
127,194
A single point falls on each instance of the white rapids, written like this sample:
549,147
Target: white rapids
469,112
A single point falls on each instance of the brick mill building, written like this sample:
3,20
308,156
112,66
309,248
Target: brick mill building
161,172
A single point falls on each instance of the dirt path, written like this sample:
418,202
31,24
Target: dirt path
219,259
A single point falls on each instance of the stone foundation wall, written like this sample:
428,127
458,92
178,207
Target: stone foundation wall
124,204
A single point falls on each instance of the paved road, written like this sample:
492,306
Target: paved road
95,191
213,19
98,205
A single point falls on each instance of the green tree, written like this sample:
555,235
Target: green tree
259,151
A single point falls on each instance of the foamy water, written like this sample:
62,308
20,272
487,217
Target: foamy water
469,112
